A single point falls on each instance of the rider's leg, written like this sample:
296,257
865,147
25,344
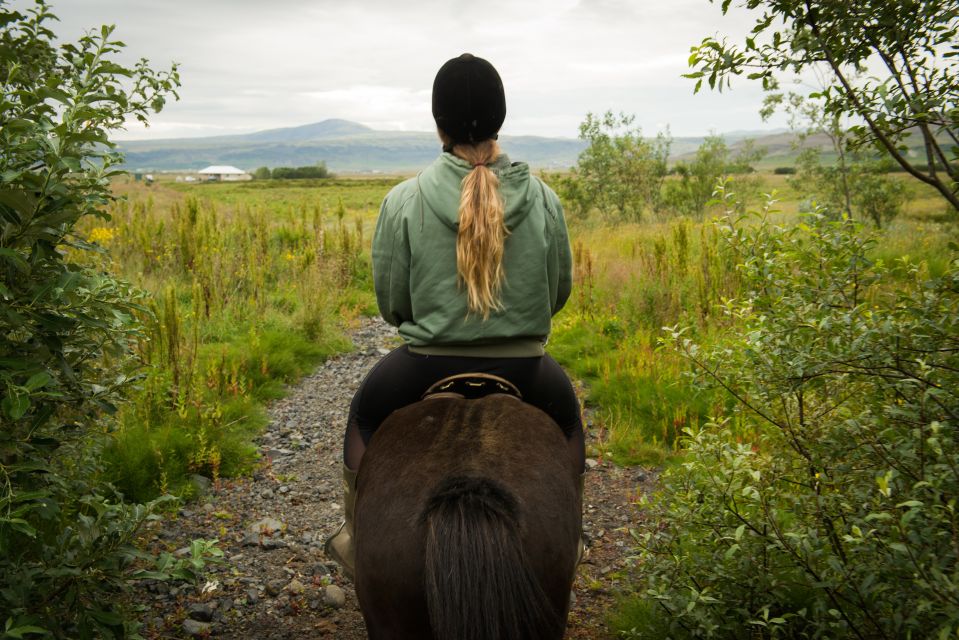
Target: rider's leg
576,441
568,416
392,383
547,387
339,546
397,380
353,445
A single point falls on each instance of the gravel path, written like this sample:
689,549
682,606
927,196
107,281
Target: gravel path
277,584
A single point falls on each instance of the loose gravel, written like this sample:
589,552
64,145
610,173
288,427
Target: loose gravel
276,583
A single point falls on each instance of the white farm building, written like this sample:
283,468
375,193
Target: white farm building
224,172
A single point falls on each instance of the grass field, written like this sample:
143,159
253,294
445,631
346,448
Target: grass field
252,284
248,289
632,280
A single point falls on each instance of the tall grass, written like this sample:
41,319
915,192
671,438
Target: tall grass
246,297
633,279
251,285
630,281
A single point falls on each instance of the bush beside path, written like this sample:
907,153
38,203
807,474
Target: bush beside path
277,584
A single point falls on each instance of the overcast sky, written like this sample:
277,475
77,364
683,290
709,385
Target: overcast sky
248,65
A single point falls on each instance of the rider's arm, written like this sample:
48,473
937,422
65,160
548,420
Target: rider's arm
560,260
391,266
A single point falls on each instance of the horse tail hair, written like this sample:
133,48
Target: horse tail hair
479,583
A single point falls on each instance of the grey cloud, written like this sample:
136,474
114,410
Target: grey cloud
256,64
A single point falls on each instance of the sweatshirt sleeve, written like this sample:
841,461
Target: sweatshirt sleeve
560,255
391,266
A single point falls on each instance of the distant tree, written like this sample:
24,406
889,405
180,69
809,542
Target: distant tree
856,183
262,173
877,196
317,171
692,188
620,173
830,183
911,89
570,190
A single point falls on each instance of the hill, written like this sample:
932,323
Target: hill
352,147
781,150
341,144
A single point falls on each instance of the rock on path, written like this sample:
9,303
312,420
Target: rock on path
276,583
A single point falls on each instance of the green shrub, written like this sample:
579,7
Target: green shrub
318,170
692,190
839,520
877,196
66,537
620,173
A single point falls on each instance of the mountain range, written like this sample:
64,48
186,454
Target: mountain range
343,145
347,146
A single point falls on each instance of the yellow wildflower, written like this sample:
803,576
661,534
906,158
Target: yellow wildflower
101,235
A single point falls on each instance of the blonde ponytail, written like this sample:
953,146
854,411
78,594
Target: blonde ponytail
482,230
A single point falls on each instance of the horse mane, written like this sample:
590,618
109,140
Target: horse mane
479,582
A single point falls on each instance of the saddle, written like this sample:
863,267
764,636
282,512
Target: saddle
472,386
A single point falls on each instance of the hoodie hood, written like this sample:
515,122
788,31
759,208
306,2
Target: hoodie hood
440,186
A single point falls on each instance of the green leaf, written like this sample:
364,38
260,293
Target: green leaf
910,504
20,632
15,406
37,466
15,259
18,201
107,617
38,381
21,525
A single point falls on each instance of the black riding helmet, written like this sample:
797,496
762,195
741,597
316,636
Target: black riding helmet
469,104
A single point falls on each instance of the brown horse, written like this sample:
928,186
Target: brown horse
468,519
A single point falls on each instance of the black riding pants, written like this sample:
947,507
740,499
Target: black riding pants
401,378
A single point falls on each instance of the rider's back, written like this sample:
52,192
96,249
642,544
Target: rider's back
415,269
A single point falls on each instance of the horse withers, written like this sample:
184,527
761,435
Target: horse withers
468,520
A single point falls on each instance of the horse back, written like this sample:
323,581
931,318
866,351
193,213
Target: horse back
421,449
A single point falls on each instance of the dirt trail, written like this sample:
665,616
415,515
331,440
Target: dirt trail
281,586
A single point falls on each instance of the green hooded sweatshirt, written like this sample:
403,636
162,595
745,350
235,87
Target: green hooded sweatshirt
414,263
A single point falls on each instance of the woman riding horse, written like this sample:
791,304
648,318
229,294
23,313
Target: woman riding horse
471,260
